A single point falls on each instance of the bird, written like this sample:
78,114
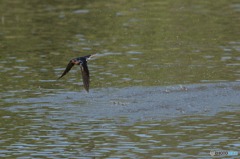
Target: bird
82,62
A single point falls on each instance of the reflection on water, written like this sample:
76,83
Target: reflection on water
49,131
139,104
121,123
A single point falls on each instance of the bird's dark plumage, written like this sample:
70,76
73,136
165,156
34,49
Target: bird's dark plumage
68,68
85,76
82,61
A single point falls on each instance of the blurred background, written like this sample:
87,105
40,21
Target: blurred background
156,62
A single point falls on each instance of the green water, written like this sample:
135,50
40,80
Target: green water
140,43
158,43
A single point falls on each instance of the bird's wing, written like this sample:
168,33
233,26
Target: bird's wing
89,56
68,68
85,76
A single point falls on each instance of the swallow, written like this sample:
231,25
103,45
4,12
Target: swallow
82,62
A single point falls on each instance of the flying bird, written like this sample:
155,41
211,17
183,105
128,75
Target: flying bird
82,62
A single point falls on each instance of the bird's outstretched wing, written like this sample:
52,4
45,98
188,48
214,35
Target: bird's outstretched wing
89,56
68,68
85,76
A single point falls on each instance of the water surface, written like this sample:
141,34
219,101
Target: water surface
164,85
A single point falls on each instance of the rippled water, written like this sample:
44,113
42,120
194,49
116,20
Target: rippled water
165,83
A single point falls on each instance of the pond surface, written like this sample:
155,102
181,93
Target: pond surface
165,83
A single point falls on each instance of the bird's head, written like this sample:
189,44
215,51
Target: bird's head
76,62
